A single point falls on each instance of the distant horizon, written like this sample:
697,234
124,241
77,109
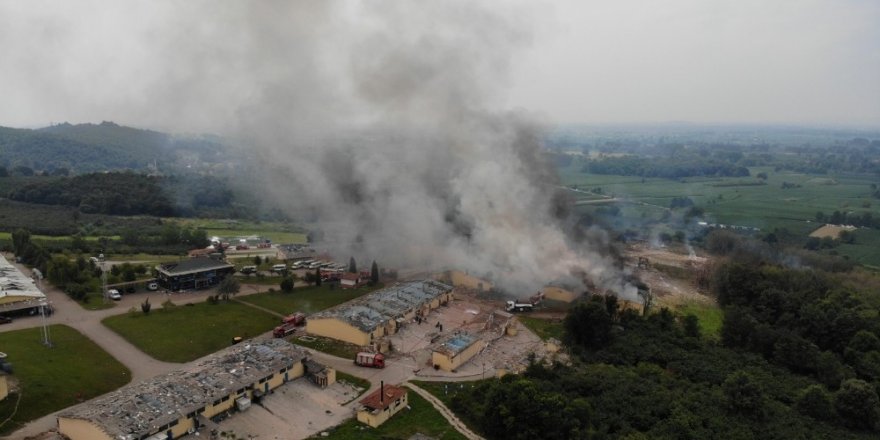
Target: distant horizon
554,125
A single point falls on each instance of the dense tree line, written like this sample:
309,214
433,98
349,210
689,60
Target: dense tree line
675,168
864,219
641,377
103,193
130,194
106,146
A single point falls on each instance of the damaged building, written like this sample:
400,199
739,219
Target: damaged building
366,320
171,405
455,350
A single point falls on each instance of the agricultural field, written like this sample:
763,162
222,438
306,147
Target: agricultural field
742,201
74,369
181,333
277,232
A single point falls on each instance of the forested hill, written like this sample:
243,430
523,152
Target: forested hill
106,146
130,194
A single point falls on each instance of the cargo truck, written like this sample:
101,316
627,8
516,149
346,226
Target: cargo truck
373,360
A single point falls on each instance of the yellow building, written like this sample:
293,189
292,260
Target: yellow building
170,405
455,351
381,404
366,320
463,280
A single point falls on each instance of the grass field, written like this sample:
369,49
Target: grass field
277,232
335,347
73,370
544,328
420,418
359,382
711,317
307,300
183,333
760,206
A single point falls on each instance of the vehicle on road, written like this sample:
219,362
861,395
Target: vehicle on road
284,330
278,268
153,286
295,319
247,270
373,360
519,306
5,319
114,294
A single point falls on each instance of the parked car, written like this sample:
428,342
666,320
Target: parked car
114,294
153,286
5,319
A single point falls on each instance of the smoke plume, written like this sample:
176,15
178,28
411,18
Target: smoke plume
378,124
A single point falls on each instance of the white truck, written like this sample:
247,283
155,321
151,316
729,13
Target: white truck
520,306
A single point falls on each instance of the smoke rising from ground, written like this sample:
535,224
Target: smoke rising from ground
377,123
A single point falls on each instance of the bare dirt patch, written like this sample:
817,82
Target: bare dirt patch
832,231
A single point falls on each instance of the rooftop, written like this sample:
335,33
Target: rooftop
142,408
14,283
375,399
456,343
192,265
371,310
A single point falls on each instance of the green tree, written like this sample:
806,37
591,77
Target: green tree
857,404
20,239
287,285
815,402
691,326
588,325
744,394
257,260
146,306
352,265
228,287
374,273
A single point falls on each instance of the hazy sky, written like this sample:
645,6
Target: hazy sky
765,61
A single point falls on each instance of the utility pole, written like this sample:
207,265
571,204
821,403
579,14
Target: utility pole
44,333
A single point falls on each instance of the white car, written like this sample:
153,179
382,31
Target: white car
114,294
153,286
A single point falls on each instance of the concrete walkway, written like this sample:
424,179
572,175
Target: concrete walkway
446,412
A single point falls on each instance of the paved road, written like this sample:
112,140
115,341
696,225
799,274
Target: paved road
142,366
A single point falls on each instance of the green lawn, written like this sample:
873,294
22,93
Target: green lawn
183,333
420,418
73,370
711,317
358,382
544,328
307,300
95,301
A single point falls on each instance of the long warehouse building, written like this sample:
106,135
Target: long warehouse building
171,405
365,320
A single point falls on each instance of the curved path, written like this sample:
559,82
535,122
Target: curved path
446,412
